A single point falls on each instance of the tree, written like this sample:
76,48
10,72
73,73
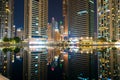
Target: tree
5,39
102,39
16,50
17,39
114,40
5,50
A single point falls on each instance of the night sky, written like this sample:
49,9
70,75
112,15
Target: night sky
54,10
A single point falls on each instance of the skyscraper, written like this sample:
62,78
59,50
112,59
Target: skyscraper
6,18
65,15
80,17
108,19
35,18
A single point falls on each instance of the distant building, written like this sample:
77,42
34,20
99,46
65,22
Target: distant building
80,16
6,18
54,26
65,16
53,31
35,18
19,33
49,32
13,31
62,31
57,35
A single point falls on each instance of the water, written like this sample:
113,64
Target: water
61,63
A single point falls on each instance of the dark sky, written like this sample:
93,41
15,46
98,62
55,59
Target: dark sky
54,10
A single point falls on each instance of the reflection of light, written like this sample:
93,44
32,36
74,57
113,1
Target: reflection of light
36,57
81,51
66,55
36,42
117,44
37,47
52,69
56,58
76,50
18,57
62,60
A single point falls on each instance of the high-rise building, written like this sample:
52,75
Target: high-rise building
54,25
65,16
108,19
6,18
80,16
13,31
35,18
117,13
49,32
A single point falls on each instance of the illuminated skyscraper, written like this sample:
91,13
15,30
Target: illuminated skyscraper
80,16
6,18
117,20
65,15
35,18
108,19
49,32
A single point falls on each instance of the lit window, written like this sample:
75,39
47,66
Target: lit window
36,71
36,23
36,32
82,12
36,57
36,65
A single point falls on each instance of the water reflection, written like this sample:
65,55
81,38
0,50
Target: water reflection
58,63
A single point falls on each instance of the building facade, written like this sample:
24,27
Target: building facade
35,18
65,16
108,19
80,16
6,18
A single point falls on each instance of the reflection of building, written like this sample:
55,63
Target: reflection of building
6,64
6,18
34,65
77,65
51,55
80,16
1,60
35,18
108,19
108,64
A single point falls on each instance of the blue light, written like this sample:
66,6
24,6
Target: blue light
36,65
36,71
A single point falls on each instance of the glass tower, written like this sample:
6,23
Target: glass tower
80,16
35,18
